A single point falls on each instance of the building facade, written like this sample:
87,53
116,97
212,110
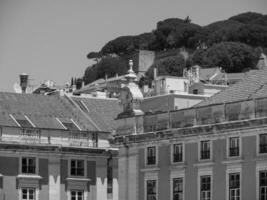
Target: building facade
216,150
50,149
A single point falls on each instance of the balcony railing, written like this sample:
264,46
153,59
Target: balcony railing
178,157
205,115
205,154
37,136
234,151
151,160
263,148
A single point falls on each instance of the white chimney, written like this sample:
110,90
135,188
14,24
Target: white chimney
155,73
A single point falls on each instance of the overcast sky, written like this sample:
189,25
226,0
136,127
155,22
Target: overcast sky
49,39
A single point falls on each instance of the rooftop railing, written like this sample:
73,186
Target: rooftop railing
205,115
35,136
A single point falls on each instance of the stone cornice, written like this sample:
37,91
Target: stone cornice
241,126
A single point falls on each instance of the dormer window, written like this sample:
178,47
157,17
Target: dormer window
69,124
22,121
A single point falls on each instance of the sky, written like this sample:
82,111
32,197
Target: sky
49,39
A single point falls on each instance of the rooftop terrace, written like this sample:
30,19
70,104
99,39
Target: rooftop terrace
208,119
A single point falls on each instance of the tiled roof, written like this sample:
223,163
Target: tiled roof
41,110
100,83
102,111
252,86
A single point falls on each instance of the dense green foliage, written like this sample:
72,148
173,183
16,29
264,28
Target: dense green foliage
173,66
250,28
108,66
231,56
231,44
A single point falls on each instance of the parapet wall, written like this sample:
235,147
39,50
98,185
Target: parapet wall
219,113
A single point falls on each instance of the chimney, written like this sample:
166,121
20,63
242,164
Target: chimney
197,78
23,82
155,73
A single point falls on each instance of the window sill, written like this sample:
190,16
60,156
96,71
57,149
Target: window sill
261,154
29,176
179,166
78,179
150,169
178,163
234,160
151,166
204,163
233,157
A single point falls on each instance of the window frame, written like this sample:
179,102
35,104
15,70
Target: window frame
146,155
258,145
28,187
172,153
265,186
231,169
84,165
151,177
175,174
28,191
210,151
76,191
205,171
208,177
260,166
36,164
239,147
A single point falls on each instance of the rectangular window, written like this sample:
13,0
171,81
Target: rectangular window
263,143
234,146
151,190
205,188
177,152
263,185
205,150
77,168
28,165
234,186
177,189
28,194
195,91
109,176
151,155
77,195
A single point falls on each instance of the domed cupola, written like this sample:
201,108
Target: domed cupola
131,96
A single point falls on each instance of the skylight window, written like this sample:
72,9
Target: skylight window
69,124
22,121
82,105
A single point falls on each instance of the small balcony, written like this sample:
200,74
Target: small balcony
38,136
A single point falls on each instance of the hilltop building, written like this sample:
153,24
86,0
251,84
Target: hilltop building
173,93
215,150
57,148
